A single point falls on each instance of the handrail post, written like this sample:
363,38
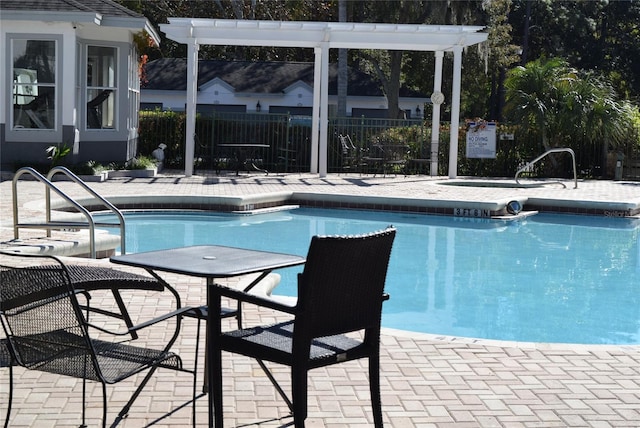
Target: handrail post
16,229
47,195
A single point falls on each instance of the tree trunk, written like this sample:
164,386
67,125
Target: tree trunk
393,85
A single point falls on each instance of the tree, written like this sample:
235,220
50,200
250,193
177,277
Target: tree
390,66
566,107
604,36
534,96
158,11
502,53
605,120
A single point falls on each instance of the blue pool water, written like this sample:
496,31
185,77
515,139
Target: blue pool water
546,278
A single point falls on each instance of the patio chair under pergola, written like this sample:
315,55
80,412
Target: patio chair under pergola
322,36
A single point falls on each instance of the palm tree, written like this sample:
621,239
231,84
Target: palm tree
566,107
534,95
605,118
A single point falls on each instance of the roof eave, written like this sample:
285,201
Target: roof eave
131,23
51,16
259,94
218,81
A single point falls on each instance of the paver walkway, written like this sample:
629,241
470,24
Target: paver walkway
427,381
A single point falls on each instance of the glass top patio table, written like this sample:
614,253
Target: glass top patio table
211,262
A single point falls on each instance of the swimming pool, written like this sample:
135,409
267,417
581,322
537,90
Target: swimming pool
546,278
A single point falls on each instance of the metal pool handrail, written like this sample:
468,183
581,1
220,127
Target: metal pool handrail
49,225
557,150
73,177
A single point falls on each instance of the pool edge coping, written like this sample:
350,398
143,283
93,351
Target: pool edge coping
472,341
491,208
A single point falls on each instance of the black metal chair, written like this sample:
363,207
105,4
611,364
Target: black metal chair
47,329
341,290
386,157
91,278
351,155
7,361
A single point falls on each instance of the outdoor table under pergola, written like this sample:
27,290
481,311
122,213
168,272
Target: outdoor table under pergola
322,36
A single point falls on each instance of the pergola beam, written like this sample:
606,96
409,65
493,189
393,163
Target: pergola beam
308,34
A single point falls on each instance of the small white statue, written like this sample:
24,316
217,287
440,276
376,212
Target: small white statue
158,153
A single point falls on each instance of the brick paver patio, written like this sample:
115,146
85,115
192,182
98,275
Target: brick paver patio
427,381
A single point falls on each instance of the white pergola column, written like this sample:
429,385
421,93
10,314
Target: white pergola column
315,113
324,111
435,114
455,111
320,113
192,95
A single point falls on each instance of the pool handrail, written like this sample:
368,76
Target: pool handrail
556,150
49,225
121,222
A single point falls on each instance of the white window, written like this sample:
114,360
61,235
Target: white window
102,87
34,84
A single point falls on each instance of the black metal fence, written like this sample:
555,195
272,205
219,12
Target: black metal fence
288,138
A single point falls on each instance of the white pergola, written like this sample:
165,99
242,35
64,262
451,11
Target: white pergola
322,36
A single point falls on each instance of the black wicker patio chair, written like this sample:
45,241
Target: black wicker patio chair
340,291
47,329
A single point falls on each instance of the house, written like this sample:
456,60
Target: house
70,75
266,86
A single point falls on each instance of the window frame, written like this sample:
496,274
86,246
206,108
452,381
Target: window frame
120,130
47,135
115,88
133,88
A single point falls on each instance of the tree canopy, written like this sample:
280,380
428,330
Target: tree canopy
566,107
605,41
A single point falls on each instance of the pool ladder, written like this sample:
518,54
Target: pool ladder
49,224
558,150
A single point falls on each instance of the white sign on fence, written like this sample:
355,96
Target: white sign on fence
481,140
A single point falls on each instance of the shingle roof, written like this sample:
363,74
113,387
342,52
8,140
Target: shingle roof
256,77
104,7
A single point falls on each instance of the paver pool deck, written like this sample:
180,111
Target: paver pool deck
426,380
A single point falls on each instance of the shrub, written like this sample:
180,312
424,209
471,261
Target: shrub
88,168
141,162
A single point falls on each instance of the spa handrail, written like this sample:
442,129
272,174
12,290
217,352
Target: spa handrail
49,224
557,150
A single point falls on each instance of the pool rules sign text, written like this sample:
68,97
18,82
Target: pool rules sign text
481,140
